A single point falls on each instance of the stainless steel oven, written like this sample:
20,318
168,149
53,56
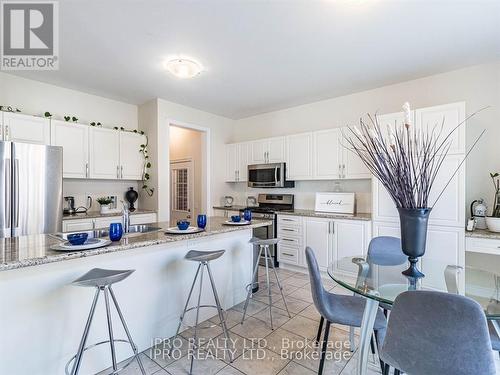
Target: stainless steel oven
271,175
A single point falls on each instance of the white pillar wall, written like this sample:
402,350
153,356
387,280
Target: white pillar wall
43,317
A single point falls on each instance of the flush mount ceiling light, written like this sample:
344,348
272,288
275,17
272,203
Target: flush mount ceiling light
183,68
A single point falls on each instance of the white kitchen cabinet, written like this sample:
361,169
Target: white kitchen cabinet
17,127
299,156
351,238
77,225
131,157
105,222
448,116
236,162
352,166
269,150
143,219
74,139
318,235
104,149
290,248
327,154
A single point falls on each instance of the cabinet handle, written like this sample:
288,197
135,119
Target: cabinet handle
288,239
7,133
287,230
121,172
235,177
287,219
86,170
288,254
343,170
238,175
117,171
340,171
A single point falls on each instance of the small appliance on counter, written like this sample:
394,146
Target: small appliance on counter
69,208
478,213
252,201
228,201
131,196
341,203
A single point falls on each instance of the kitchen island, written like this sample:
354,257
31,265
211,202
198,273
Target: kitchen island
42,315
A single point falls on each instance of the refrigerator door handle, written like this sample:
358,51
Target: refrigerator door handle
16,193
7,201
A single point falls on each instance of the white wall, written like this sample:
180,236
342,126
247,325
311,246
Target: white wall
188,144
478,86
155,117
33,97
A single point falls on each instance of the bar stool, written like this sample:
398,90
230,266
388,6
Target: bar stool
264,247
101,280
203,258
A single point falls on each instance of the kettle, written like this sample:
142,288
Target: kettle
70,206
478,212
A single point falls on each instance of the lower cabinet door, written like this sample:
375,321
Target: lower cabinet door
351,239
142,219
105,222
318,236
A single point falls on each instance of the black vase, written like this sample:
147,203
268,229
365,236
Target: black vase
413,236
131,196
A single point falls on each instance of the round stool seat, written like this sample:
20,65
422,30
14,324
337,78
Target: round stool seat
98,277
264,242
204,256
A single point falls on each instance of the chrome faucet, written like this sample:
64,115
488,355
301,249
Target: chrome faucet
125,217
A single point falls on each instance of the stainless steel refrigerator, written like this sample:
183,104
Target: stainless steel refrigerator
30,189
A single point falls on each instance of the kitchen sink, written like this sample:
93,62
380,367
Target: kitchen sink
142,228
102,233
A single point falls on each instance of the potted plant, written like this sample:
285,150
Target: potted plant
493,221
105,203
406,160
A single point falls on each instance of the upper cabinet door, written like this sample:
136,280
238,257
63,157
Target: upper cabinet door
231,162
258,151
352,165
327,154
276,150
25,128
299,156
131,157
104,148
243,162
448,115
74,139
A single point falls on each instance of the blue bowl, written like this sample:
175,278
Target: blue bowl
77,238
236,218
183,224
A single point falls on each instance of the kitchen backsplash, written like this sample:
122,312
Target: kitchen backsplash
80,189
305,192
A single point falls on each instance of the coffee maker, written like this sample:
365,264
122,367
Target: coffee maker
478,212
70,205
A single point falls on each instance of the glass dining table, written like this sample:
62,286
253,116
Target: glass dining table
380,284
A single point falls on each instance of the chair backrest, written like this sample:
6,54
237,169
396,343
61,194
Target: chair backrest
386,251
438,333
319,294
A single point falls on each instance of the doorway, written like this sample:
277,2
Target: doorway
186,147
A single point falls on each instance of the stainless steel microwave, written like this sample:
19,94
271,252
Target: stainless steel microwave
271,175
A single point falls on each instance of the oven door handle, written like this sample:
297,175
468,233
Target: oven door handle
276,175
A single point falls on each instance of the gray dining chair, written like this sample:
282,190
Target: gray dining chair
437,333
336,308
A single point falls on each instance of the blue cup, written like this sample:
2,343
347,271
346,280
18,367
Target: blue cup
202,221
247,215
115,231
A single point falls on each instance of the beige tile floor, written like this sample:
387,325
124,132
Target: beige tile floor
258,350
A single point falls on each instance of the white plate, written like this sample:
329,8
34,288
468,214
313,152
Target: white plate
242,222
92,243
189,230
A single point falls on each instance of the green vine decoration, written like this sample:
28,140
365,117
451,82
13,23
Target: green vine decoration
147,165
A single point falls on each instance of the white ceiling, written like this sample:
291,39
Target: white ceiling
265,55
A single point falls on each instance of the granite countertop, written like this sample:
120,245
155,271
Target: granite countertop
97,214
327,215
234,207
33,250
483,233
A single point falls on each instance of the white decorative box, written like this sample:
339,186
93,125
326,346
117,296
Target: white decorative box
343,203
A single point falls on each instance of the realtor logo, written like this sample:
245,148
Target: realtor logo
29,35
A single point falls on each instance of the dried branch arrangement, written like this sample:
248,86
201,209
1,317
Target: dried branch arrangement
405,158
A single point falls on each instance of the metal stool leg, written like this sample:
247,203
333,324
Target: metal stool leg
197,319
256,267
220,311
110,329
78,359
187,302
351,340
129,336
266,255
280,288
